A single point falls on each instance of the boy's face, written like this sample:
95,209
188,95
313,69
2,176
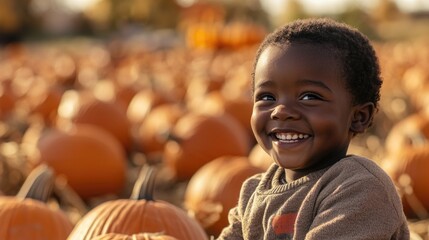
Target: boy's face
302,111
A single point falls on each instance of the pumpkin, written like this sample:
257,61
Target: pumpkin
200,84
214,189
7,100
139,236
408,169
407,132
152,133
143,102
109,115
197,139
27,216
140,213
44,101
406,161
215,103
259,158
89,157
65,68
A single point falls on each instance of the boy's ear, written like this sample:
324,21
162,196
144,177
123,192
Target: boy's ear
362,117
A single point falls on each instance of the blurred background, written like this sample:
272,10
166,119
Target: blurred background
162,80
41,19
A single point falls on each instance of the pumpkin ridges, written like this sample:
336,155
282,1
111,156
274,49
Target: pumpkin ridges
137,216
37,214
26,216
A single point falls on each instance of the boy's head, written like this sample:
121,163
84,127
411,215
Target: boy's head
316,85
360,64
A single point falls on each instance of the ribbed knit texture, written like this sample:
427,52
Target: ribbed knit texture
352,199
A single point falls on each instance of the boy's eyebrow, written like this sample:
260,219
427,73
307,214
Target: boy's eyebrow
300,82
267,83
314,82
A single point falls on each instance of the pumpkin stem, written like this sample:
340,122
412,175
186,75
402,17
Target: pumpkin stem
38,184
144,186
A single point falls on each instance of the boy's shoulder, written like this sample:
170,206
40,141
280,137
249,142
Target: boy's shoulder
359,163
358,168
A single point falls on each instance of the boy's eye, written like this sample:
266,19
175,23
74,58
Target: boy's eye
266,97
310,96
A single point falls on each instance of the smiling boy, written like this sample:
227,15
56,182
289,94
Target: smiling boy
316,84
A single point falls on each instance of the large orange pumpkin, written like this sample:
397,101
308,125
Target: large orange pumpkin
214,189
27,216
139,214
197,139
140,236
90,158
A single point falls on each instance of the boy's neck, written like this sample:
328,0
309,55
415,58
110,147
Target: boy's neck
292,175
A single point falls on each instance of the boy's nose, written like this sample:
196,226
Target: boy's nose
281,112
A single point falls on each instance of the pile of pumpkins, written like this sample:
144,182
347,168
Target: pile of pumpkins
93,124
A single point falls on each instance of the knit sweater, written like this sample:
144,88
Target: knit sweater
352,199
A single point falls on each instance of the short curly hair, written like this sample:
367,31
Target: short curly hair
360,63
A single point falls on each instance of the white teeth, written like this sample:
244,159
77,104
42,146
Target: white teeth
291,136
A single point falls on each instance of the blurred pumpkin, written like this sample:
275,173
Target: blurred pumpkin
214,189
143,102
44,101
27,216
140,213
7,101
409,131
240,108
152,133
89,157
406,160
81,107
259,158
139,236
197,139
408,168
414,83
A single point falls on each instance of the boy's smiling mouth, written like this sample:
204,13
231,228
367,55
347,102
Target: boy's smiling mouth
289,137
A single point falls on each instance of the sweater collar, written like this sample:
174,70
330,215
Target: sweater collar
272,183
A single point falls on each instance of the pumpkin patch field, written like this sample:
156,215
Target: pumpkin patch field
132,139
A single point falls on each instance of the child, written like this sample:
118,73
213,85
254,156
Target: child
316,84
